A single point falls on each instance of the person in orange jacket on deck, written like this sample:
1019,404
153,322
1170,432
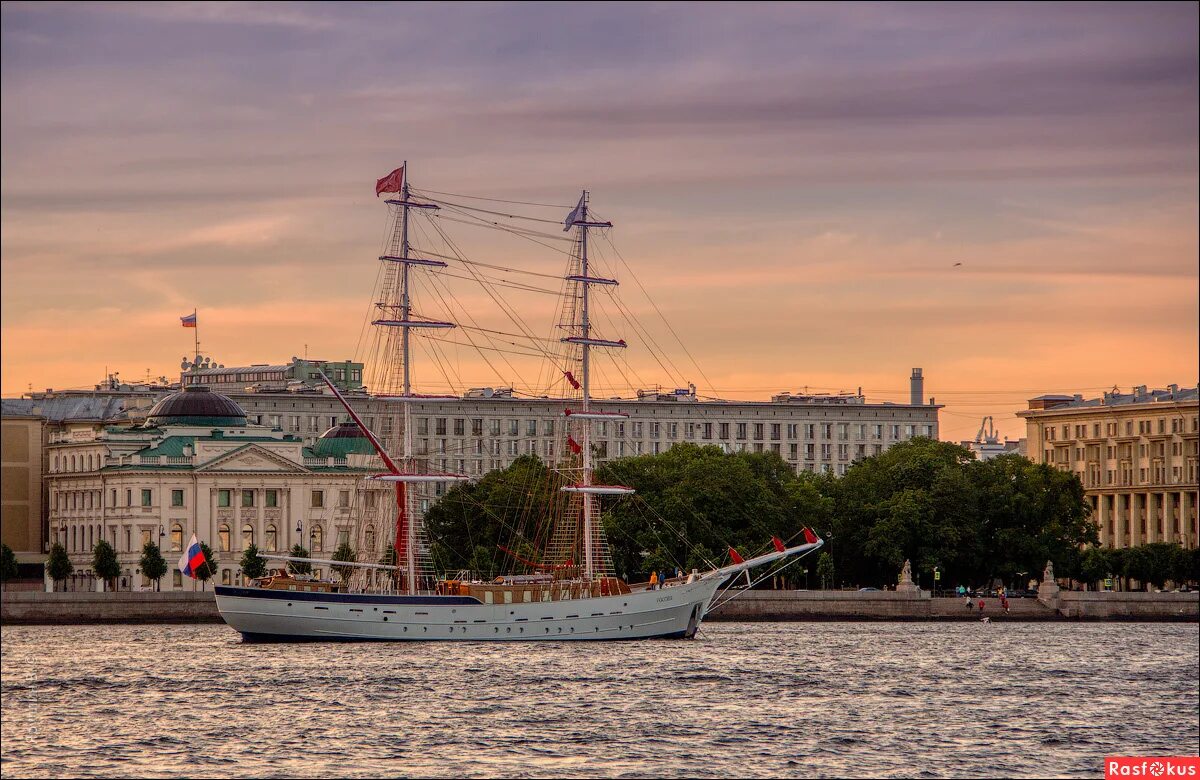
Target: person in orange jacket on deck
653,580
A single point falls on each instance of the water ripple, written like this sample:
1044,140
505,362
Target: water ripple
773,700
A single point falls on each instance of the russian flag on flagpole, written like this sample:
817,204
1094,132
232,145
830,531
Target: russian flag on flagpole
192,559
189,321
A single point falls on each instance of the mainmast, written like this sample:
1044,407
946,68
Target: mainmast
587,488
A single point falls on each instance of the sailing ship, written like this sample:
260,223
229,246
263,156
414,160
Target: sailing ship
571,592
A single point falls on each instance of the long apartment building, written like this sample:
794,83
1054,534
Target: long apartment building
487,428
1135,454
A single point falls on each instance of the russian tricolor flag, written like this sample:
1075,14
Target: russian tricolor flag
189,321
192,559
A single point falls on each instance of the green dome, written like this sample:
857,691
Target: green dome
342,440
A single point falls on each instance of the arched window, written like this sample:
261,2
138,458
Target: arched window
316,539
226,577
177,537
369,538
271,539
72,464
223,537
247,535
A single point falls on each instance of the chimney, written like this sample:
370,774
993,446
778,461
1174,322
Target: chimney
916,385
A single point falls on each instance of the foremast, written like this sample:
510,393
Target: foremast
587,488
396,312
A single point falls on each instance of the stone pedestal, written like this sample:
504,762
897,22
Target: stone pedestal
904,583
1048,591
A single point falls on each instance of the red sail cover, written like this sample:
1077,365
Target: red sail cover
734,555
574,445
393,182
809,536
571,378
779,547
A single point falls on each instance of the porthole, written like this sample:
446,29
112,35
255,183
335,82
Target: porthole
508,630
425,628
385,618
497,629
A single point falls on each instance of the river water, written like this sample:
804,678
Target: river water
757,699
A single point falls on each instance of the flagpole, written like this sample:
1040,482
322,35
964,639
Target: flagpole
196,335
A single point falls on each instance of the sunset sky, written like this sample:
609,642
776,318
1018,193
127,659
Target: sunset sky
793,184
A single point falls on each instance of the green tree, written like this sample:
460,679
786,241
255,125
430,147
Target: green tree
825,570
152,563
344,552
1138,564
8,565
1181,564
917,501
299,567
508,509
1095,565
59,565
209,567
253,565
1161,558
105,563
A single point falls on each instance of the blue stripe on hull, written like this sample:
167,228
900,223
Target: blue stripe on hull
256,638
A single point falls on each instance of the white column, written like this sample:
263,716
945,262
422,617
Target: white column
1135,523
1102,520
1169,533
1187,507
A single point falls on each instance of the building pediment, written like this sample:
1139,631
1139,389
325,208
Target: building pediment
252,457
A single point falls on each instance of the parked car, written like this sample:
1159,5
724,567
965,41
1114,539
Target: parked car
868,590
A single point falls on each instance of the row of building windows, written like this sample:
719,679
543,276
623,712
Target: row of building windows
83,538
90,499
1158,427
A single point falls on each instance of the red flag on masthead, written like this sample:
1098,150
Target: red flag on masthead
571,378
779,546
809,536
574,445
393,182
734,555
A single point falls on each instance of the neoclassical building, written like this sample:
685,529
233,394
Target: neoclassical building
197,465
1135,454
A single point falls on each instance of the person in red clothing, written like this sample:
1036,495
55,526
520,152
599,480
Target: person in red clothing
1004,602
981,606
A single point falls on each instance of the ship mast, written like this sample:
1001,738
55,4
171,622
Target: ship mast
586,487
406,540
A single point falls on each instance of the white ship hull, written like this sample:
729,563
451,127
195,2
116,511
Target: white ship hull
290,616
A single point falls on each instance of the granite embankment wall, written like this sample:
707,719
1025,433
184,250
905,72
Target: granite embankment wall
23,607
80,607
890,605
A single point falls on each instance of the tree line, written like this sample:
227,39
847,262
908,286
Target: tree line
929,502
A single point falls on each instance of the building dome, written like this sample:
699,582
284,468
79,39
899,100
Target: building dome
341,440
196,406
